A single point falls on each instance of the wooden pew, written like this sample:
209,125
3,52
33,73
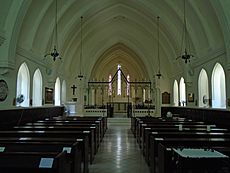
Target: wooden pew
64,127
147,120
199,160
157,137
187,128
74,151
70,123
159,123
146,128
82,121
83,144
27,162
103,121
167,159
161,135
87,135
135,121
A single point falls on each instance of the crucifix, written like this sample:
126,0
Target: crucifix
74,87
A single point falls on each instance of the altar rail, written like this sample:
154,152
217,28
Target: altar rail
143,112
21,115
95,112
220,117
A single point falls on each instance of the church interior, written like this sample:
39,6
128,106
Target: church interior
115,86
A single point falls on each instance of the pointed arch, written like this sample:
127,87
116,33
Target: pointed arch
203,90
175,93
23,84
57,97
63,89
37,88
218,87
182,92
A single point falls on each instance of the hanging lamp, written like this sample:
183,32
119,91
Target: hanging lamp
54,53
80,76
158,49
185,43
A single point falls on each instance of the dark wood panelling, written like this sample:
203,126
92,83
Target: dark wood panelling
19,116
220,117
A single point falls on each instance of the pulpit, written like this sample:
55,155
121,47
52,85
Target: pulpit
71,107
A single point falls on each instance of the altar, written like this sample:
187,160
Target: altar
71,107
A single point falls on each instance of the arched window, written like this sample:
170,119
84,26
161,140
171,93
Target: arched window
110,85
57,100
203,89
218,87
175,93
37,88
63,92
182,92
23,85
119,80
128,85
143,95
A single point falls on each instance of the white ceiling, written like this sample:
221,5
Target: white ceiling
125,26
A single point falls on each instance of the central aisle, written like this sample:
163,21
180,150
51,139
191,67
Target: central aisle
119,153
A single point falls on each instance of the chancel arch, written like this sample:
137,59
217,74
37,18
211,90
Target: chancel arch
37,88
23,86
120,54
119,78
218,87
203,89
57,96
132,68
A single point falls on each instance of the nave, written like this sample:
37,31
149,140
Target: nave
119,152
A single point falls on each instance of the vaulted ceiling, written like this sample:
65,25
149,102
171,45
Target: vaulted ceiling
118,31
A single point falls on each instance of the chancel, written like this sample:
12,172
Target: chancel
115,86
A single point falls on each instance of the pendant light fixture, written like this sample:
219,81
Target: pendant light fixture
158,49
80,76
54,54
185,43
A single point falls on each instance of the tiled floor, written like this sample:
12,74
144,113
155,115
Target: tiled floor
119,153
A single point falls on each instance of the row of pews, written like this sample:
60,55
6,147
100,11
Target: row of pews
180,145
63,145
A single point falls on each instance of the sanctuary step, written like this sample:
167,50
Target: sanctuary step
119,121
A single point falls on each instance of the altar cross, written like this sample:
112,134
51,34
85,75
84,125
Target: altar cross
74,87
